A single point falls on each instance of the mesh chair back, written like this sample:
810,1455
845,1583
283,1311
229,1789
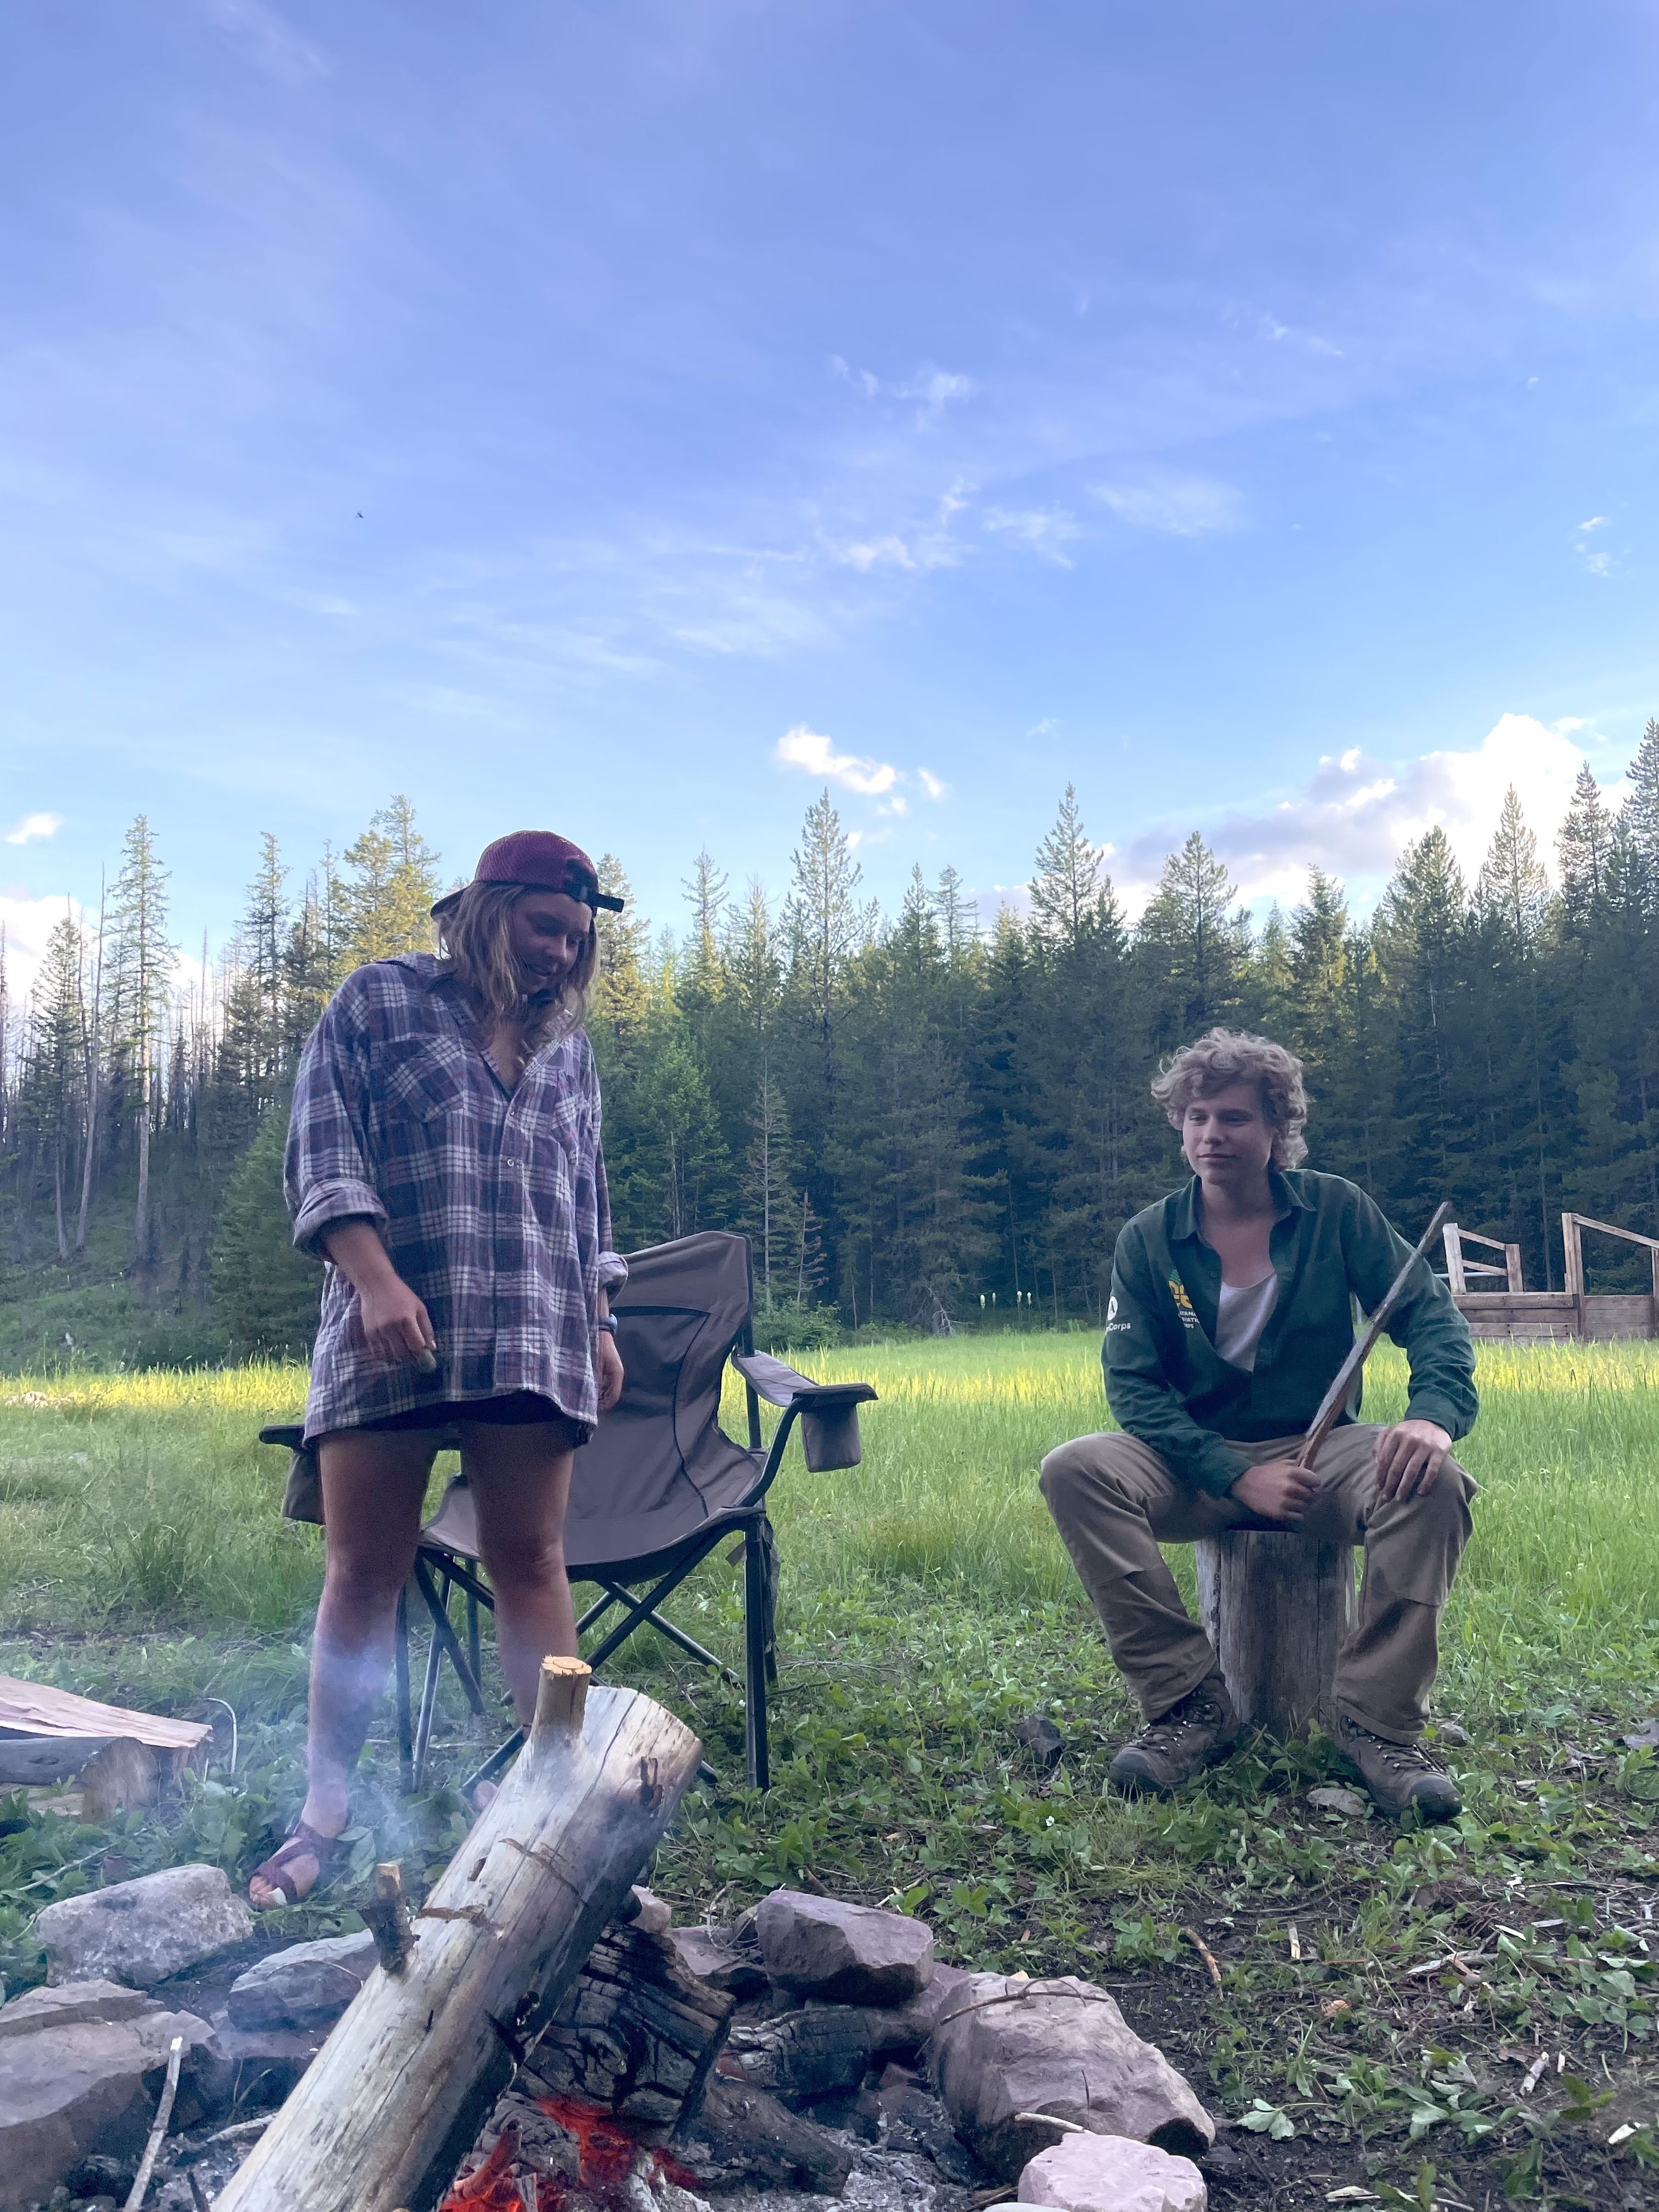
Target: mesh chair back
659,1466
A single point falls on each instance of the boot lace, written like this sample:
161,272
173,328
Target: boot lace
1197,1710
1398,1758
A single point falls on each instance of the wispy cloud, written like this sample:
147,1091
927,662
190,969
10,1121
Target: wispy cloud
932,785
935,388
1046,531
34,828
269,42
1597,561
1177,506
815,755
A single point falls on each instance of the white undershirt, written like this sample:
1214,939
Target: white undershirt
1241,1315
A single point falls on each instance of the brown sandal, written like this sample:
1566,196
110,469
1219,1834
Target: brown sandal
275,1872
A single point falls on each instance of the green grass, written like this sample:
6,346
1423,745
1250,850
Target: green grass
927,1605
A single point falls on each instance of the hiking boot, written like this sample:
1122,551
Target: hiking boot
1398,1775
1180,1744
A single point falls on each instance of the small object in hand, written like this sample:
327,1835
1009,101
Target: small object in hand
426,1362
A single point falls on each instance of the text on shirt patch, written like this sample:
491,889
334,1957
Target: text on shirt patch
1183,1303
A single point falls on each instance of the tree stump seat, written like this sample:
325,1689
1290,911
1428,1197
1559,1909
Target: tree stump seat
1276,1605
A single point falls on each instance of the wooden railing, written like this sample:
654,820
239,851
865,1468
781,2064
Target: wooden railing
1458,1269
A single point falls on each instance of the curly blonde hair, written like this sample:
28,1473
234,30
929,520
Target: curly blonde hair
475,939
1221,1057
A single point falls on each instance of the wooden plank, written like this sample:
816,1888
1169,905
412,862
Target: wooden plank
1453,1242
1606,1318
38,1710
1512,1262
1606,1228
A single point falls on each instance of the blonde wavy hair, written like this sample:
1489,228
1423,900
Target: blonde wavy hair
1221,1057
475,941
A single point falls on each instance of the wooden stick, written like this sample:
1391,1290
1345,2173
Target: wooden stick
1332,1404
1204,1953
139,2187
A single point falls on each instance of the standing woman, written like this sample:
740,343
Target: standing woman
444,1163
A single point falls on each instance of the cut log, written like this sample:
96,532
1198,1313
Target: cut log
119,1778
401,2088
1276,1607
635,2033
36,1712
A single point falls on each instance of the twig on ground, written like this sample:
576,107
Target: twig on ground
140,2188
1204,1953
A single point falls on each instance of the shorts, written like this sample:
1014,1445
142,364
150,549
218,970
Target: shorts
513,1409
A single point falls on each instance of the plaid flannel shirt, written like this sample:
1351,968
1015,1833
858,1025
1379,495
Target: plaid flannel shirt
492,1204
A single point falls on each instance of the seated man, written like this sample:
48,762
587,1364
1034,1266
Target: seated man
1232,1311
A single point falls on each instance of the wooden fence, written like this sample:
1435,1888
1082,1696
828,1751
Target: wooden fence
1519,1315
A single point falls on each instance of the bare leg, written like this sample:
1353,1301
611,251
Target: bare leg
373,1487
520,1481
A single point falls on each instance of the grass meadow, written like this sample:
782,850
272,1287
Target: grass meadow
927,1608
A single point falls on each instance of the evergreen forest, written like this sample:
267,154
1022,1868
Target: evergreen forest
920,1122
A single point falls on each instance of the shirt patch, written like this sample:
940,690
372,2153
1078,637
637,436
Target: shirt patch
1183,1303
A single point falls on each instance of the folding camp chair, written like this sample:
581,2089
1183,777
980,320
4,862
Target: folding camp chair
660,1487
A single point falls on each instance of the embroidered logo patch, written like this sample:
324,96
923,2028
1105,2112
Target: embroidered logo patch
1183,1303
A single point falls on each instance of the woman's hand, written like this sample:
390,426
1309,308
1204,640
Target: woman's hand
607,1370
396,1326
1409,1458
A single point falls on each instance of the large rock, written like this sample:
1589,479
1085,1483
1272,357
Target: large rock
142,1931
81,2068
1110,2174
848,1953
1001,2048
308,1985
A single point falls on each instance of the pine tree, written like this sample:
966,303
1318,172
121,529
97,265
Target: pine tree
1194,943
769,1203
1582,849
389,891
706,893
1066,888
142,987
1642,801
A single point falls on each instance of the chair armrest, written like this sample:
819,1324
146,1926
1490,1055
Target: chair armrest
779,1385
286,1433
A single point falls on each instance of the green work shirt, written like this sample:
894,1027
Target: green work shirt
1167,1384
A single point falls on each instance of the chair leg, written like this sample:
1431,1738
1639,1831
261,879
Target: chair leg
474,1654
754,1609
405,1733
434,1660
770,1544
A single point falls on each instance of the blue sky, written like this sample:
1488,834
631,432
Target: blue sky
620,416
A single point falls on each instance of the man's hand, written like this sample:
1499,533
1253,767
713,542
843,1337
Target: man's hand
1409,1458
1278,1490
607,1370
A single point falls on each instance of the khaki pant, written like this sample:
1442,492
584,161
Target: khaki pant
1114,1502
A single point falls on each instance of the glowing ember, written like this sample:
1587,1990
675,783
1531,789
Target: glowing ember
609,2159
490,2188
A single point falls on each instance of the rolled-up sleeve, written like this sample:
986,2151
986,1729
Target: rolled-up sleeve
325,1172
